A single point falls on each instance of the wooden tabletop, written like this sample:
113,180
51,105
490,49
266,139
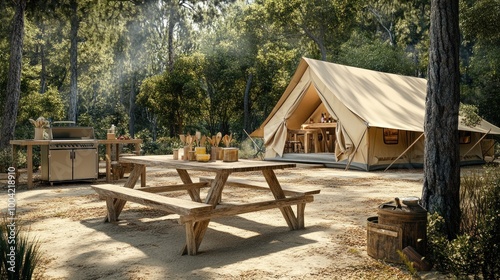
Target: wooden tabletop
320,125
241,165
26,142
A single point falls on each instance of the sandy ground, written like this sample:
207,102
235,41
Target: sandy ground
67,219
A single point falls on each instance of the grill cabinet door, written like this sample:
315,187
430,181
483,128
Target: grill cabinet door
85,164
60,165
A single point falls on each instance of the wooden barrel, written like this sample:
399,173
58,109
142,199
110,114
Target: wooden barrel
411,220
383,241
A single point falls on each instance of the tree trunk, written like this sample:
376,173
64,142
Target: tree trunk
13,91
442,158
246,103
73,57
131,111
43,72
170,38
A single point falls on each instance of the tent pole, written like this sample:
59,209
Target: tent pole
356,150
478,141
404,152
259,149
494,142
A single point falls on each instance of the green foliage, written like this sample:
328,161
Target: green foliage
26,252
324,24
49,105
476,250
176,96
470,115
191,60
163,146
484,87
251,149
409,264
372,53
33,105
479,19
7,161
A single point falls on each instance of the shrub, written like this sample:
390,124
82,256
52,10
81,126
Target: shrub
27,253
476,250
6,160
251,149
162,146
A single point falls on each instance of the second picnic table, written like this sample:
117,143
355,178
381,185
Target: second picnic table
197,212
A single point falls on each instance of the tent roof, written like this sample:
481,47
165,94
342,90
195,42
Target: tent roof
379,99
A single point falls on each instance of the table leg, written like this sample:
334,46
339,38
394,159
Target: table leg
110,205
326,142
29,159
300,215
186,179
108,162
278,193
190,239
138,149
199,228
317,148
118,204
306,143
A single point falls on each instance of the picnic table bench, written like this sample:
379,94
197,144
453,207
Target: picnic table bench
244,183
196,213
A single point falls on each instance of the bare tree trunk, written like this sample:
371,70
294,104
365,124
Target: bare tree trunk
131,111
43,72
170,38
442,158
14,79
73,57
246,103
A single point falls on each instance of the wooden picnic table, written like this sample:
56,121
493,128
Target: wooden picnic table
194,213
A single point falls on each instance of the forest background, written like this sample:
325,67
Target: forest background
159,68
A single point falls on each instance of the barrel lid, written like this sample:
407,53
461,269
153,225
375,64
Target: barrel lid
392,206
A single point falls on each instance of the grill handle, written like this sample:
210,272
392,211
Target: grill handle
69,123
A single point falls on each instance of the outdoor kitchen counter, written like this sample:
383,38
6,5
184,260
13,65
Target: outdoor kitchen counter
29,143
196,226
115,144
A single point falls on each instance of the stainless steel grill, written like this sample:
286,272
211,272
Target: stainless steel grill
71,155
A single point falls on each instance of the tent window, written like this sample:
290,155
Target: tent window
391,136
465,137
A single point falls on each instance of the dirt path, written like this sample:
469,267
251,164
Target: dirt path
68,221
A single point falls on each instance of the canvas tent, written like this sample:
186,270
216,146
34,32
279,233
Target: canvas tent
367,106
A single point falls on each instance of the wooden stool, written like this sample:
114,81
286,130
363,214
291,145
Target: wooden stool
116,170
